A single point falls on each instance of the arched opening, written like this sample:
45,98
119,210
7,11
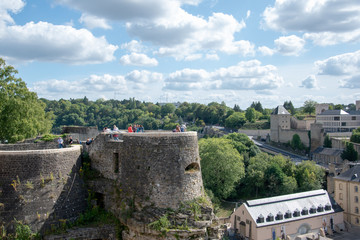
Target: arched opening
304,228
192,167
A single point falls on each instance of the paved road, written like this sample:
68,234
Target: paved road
294,157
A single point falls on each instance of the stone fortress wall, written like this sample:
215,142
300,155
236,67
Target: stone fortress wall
40,187
161,168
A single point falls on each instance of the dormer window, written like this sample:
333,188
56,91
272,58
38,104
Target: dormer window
305,211
279,216
287,214
312,209
327,207
270,218
296,213
260,219
320,208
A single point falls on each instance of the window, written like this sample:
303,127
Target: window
357,220
356,210
340,186
340,196
356,189
343,124
353,118
356,199
336,118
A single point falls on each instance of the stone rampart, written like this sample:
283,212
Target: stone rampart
40,187
29,146
81,133
161,167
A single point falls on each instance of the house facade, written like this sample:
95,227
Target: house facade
347,194
287,216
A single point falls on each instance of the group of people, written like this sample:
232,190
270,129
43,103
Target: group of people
179,128
70,141
136,128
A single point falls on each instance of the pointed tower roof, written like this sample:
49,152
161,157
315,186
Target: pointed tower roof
280,110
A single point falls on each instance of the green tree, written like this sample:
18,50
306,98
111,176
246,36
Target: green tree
221,165
296,143
167,109
250,114
236,108
235,120
355,137
349,152
309,176
327,142
290,107
22,114
257,106
309,106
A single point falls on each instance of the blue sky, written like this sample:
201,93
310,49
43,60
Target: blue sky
236,51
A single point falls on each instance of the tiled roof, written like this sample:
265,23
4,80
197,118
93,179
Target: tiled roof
353,174
280,110
328,151
334,112
282,208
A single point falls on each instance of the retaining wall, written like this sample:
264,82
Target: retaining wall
40,187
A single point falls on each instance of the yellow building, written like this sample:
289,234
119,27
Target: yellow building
287,216
347,194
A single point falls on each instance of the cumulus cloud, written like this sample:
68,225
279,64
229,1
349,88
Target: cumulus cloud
212,56
94,22
290,45
265,51
133,46
325,22
351,82
166,25
44,41
344,64
87,86
286,45
140,79
138,59
246,75
143,76
13,6
310,82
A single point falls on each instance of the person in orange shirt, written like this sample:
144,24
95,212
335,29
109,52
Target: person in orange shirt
130,129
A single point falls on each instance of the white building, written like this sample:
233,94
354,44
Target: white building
287,216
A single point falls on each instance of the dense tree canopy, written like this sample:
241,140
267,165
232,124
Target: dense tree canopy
222,166
309,106
349,152
355,137
290,107
22,115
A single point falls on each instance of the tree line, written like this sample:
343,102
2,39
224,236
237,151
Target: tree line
234,168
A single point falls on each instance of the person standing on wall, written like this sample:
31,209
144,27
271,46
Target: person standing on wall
60,142
130,128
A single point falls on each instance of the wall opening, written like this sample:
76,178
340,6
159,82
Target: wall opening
192,167
116,162
100,200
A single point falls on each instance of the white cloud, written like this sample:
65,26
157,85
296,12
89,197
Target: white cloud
290,45
138,59
213,56
54,43
90,86
166,25
351,82
265,51
310,82
143,76
93,22
337,21
250,75
133,46
193,57
6,6
248,13
344,64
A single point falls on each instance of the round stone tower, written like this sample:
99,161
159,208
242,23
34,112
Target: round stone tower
162,168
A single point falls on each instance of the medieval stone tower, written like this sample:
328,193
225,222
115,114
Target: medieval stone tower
146,175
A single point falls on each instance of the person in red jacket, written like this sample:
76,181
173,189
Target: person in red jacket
130,129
